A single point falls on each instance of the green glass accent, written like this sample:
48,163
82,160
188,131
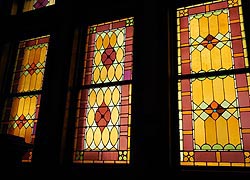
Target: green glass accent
218,12
222,76
239,147
203,105
195,116
229,147
226,115
130,22
92,30
26,125
27,66
198,16
14,125
201,78
33,116
219,45
208,14
38,71
217,147
204,116
81,156
200,47
25,73
206,147
16,117
77,156
197,147
211,77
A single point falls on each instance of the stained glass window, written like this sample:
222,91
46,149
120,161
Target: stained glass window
103,124
22,107
213,85
36,4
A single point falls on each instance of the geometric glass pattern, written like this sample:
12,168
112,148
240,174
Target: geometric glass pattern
213,85
22,107
103,123
36,4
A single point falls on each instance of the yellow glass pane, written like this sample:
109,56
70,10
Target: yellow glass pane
98,58
199,133
116,96
98,44
16,131
31,55
26,109
33,82
111,72
197,92
226,57
114,115
223,23
119,72
222,131
28,5
114,135
20,107
99,97
105,136
107,96
27,83
97,136
43,54
22,132
21,83
96,74
28,133
230,91
206,59
92,97
194,31
196,61
210,127
39,81
89,136
213,28
37,55
215,55
26,57
33,105
207,89
233,129
218,90
203,26
105,41
120,39
104,73
119,55
113,39
91,117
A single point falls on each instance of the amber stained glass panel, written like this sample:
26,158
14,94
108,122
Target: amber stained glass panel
22,108
213,97
104,111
